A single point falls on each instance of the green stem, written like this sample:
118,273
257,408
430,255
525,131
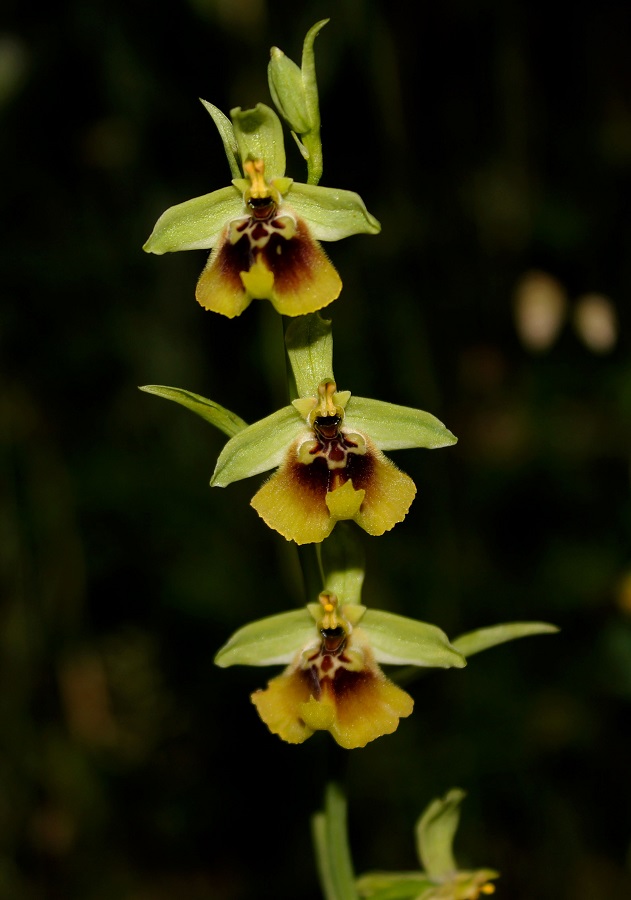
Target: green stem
311,571
313,145
330,837
311,139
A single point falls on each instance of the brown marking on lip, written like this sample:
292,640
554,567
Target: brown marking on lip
315,478
346,682
293,260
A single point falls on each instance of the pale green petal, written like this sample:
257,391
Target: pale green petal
342,560
435,832
195,224
259,447
259,135
309,342
225,129
331,214
393,427
267,642
393,885
475,641
221,418
401,641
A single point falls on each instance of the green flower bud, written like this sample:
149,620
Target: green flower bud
287,90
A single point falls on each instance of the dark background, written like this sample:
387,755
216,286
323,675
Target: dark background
491,139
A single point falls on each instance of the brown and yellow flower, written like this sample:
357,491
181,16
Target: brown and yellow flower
332,680
330,467
334,685
263,229
268,254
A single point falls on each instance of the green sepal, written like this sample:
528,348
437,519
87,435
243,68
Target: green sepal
309,343
271,641
258,448
196,224
393,427
285,84
435,831
476,641
221,418
259,135
226,131
397,640
332,214
393,885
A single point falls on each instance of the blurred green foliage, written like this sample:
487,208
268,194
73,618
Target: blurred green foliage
131,768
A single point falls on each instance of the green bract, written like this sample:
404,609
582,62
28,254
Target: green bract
221,418
435,832
333,855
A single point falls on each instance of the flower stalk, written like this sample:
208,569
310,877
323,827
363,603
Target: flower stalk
328,483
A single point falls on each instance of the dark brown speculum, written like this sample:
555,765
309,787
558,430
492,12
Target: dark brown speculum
327,427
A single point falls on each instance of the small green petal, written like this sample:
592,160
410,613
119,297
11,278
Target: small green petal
393,885
274,640
221,418
475,641
330,213
225,129
435,832
352,612
259,135
309,342
393,427
195,224
398,640
258,448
